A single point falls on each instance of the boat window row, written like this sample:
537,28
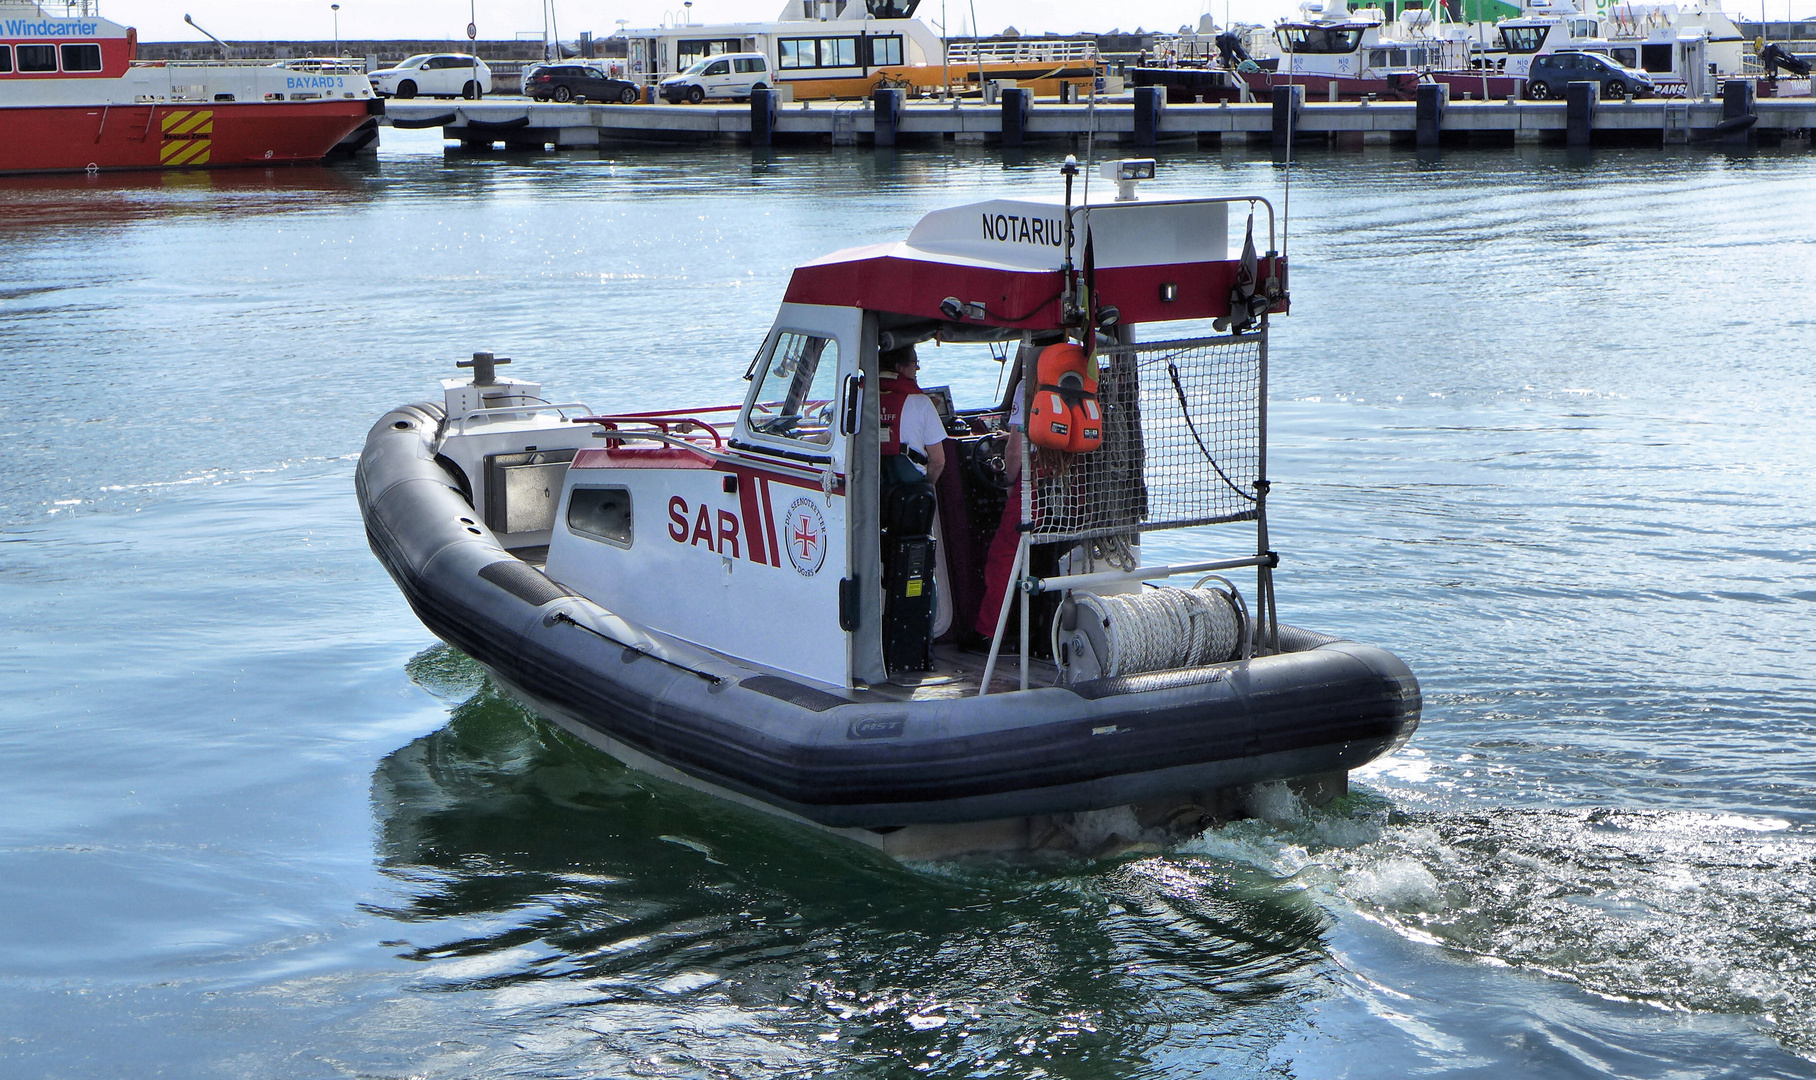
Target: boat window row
690,51
1657,58
839,52
1320,40
1404,57
42,59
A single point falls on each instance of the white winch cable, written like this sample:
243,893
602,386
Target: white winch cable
1244,627
1166,628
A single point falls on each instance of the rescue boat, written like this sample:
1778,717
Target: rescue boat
73,98
730,599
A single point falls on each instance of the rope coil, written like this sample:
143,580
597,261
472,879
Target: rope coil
1166,628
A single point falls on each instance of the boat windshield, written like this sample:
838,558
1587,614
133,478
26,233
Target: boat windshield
1523,39
1320,39
795,400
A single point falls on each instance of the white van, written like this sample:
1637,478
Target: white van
728,75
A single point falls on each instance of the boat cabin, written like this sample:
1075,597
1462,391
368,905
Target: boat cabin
1365,44
36,46
769,529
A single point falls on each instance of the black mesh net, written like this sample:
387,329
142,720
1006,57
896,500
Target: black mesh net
1183,442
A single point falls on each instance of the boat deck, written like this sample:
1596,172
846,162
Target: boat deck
958,673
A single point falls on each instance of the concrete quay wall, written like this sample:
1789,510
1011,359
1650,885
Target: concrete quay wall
1657,121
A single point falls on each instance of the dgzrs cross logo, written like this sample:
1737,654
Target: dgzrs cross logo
806,537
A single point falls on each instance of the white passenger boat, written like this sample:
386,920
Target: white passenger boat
737,598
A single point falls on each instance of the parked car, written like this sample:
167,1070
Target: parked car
730,75
565,82
1551,72
435,75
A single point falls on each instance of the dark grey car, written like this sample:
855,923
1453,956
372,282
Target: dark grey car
565,82
1551,72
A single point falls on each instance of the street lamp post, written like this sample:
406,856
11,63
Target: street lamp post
336,8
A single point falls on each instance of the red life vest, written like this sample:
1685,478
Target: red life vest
897,389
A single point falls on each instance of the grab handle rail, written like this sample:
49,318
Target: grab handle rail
657,429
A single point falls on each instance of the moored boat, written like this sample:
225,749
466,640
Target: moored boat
73,98
762,601
1335,54
1686,47
831,49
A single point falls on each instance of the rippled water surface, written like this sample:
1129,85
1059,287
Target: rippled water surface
1541,425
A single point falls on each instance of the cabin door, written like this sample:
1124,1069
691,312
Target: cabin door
792,437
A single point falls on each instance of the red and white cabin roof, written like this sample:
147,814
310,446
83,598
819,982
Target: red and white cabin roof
1007,255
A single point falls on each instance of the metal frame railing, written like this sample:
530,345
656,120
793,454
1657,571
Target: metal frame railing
1031,50
521,410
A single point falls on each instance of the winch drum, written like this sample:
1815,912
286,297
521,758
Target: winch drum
1158,629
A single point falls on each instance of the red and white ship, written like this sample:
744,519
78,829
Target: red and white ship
74,98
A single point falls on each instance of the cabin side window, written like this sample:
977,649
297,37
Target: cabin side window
602,513
6,59
37,58
885,51
796,398
81,58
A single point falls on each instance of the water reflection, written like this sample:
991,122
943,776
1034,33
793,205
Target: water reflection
113,198
525,862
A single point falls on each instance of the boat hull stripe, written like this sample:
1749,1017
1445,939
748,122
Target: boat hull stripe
769,525
753,516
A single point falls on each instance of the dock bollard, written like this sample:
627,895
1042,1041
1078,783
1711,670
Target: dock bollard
762,116
1149,100
886,108
1288,100
1737,98
1434,98
1016,101
1579,112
